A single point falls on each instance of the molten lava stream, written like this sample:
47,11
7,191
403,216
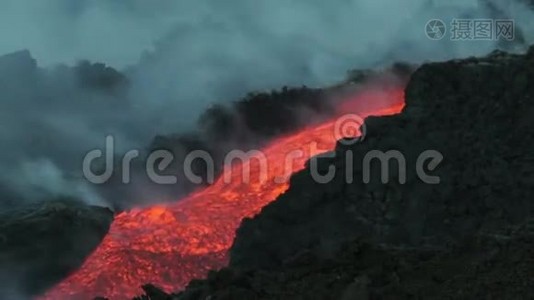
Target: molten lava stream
168,245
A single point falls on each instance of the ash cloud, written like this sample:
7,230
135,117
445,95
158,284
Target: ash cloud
171,60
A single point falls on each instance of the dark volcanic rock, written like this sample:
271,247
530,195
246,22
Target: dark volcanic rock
470,236
476,112
40,244
498,265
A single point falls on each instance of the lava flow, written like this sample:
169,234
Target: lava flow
168,245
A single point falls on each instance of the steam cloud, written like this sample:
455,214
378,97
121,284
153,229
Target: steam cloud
177,58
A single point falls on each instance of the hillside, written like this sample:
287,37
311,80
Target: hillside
467,237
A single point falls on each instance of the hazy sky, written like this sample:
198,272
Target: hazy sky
181,56
118,32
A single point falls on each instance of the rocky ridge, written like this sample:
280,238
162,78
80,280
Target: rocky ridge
42,243
470,236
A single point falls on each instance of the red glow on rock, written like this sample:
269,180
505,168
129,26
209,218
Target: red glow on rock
168,245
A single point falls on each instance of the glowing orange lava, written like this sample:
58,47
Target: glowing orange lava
168,245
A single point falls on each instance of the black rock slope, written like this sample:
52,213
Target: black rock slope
478,113
470,236
40,244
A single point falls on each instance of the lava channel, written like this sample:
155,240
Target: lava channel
168,245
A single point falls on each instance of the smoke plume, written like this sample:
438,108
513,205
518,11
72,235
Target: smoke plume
163,63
